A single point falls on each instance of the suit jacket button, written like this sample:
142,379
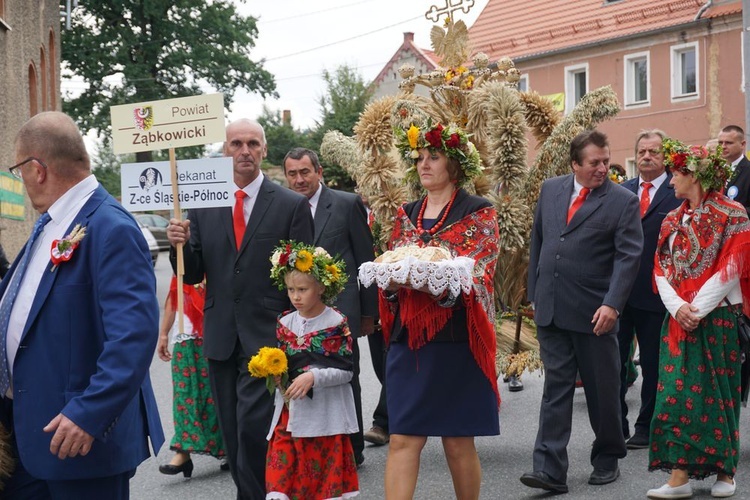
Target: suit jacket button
562,238
236,271
236,301
556,275
557,257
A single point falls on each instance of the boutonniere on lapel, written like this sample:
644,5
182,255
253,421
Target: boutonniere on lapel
62,250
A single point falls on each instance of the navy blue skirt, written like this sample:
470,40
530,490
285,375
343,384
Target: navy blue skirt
439,390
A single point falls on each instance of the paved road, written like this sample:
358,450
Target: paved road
504,458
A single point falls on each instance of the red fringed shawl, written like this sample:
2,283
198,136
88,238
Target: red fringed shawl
716,239
194,299
475,236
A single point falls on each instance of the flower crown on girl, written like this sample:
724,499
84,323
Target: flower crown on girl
292,255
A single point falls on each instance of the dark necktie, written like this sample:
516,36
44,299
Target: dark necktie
10,297
578,202
645,197
238,217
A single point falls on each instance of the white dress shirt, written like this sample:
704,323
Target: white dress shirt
314,199
655,185
62,214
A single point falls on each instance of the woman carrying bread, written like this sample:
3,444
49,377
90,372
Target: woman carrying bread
440,368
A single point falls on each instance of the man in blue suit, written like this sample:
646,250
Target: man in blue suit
79,335
644,313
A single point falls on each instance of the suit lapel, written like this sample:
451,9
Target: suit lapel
661,195
591,205
49,277
265,198
227,220
323,212
561,202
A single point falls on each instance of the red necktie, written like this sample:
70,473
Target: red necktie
238,217
578,202
645,197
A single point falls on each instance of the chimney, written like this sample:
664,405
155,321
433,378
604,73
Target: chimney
408,37
286,117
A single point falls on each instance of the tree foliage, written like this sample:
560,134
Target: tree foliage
281,137
144,50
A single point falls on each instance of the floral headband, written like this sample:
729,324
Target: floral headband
711,170
451,140
292,255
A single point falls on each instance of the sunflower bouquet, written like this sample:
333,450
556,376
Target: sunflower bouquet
270,363
292,255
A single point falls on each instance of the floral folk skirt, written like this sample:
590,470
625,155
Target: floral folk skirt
196,427
695,423
314,468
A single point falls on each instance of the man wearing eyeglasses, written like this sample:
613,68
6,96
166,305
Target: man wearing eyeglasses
644,311
78,328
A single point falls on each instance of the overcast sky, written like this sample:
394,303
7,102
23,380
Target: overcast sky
363,34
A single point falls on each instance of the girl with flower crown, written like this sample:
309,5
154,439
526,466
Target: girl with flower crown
702,272
440,368
310,454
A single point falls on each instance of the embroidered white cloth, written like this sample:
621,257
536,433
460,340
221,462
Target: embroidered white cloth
453,275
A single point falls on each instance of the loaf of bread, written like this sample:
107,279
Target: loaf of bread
428,254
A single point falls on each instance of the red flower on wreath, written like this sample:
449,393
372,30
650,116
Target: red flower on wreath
453,141
435,137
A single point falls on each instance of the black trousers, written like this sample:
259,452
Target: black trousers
646,326
377,354
597,359
245,409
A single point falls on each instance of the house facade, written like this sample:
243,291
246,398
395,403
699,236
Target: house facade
29,84
674,64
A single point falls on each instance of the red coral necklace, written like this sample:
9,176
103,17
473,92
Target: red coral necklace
426,235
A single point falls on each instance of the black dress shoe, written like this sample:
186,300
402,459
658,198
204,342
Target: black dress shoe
541,480
637,442
186,468
515,384
602,476
224,464
359,460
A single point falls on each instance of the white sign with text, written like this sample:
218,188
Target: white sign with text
203,183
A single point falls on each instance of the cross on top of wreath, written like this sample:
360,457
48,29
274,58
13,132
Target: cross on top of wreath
448,9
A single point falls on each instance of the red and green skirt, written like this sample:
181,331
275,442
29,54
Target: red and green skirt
314,468
695,423
196,427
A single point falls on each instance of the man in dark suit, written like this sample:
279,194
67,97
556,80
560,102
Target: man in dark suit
733,144
232,248
341,228
79,333
644,313
586,243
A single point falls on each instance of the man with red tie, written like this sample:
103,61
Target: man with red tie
232,248
644,312
586,242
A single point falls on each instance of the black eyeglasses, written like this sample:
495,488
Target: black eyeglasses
15,169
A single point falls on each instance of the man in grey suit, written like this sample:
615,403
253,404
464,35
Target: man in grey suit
340,221
586,245
232,249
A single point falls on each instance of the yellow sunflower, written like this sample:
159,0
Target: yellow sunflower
333,270
413,135
304,261
256,368
276,363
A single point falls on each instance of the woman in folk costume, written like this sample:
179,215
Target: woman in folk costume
440,368
195,422
702,273
310,455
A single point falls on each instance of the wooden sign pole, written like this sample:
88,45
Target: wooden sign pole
180,257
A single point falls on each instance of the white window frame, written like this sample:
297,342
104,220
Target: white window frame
525,79
630,84
631,168
675,52
570,73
